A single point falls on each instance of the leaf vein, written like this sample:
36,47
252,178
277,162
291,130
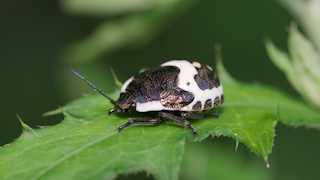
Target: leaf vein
54,164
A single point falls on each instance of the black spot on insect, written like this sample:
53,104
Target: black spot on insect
206,78
188,83
222,98
216,101
148,85
176,98
197,106
208,104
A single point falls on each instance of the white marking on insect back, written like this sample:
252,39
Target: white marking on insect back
209,67
125,85
150,106
196,64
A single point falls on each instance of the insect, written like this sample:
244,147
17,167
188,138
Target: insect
176,90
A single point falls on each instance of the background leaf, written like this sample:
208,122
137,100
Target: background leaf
137,25
216,159
300,65
308,15
108,7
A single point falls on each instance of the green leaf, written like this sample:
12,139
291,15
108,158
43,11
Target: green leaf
91,148
86,145
132,30
301,65
107,7
307,13
215,160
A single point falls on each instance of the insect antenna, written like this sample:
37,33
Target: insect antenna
96,88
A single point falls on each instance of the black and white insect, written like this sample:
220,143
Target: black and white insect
176,90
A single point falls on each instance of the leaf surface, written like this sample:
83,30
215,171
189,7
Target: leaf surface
91,148
86,145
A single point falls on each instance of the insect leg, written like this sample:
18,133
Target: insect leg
179,120
195,115
140,122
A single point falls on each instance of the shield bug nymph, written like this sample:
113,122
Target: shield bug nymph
176,87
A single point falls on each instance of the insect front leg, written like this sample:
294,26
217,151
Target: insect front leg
140,122
179,120
195,115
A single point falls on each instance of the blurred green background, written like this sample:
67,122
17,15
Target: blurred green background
35,72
